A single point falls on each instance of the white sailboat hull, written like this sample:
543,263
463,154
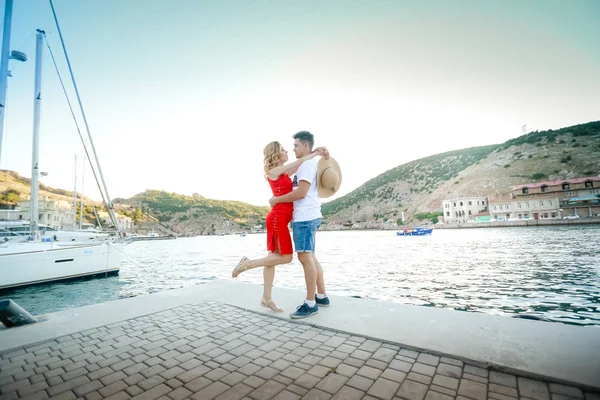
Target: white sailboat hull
23,264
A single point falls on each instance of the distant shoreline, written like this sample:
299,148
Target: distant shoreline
498,224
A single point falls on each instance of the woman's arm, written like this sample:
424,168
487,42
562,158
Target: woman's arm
293,166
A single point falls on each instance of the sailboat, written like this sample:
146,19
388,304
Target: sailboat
40,261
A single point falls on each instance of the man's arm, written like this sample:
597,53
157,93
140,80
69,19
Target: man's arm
297,194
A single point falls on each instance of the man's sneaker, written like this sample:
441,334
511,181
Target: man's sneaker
324,302
304,311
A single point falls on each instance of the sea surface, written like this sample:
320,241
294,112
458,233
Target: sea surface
550,273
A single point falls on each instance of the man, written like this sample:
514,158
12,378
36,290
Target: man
305,222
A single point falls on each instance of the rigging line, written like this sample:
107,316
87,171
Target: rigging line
73,114
109,203
26,41
134,259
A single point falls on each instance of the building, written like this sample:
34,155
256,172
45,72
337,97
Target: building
57,214
558,199
125,222
483,216
463,209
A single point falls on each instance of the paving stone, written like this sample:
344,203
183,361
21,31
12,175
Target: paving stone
533,389
180,394
330,362
569,391
233,378
409,353
384,389
253,381
319,371
419,377
450,370
400,365
423,369
236,392
197,384
369,372
281,364
316,394
283,380
428,359
361,354
99,373
65,396
133,379
151,382
300,391
475,378
113,388
267,391
153,393
286,395
432,395
503,379
68,385
412,390
32,389
446,391
360,383
393,375
472,389
504,390
216,374
87,388
293,372
348,393
249,369
332,383
355,362
307,381
346,348
370,345
376,364
446,381
473,370
498,396
193,373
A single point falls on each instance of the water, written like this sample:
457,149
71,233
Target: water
551,272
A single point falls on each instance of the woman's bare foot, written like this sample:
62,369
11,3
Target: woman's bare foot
241,267
270,304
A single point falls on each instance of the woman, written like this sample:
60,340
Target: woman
279,242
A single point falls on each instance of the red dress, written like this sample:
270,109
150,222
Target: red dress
278,234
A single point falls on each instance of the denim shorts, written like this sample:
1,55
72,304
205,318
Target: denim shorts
304,235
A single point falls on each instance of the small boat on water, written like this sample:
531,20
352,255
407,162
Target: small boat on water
418,231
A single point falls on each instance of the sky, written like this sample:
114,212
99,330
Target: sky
182,96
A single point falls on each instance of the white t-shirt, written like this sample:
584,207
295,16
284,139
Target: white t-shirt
309,207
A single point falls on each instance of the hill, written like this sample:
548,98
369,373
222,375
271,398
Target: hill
196,215
418,188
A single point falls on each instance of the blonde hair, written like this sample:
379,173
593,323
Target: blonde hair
271,153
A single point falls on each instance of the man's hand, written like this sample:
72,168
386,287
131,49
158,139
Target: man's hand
322,151
273,201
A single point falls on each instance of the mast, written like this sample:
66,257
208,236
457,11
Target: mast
81,204
4,64
37,102
75,195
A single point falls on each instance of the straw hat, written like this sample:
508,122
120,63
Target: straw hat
329,177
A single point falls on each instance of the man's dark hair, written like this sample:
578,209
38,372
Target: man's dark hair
305,137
